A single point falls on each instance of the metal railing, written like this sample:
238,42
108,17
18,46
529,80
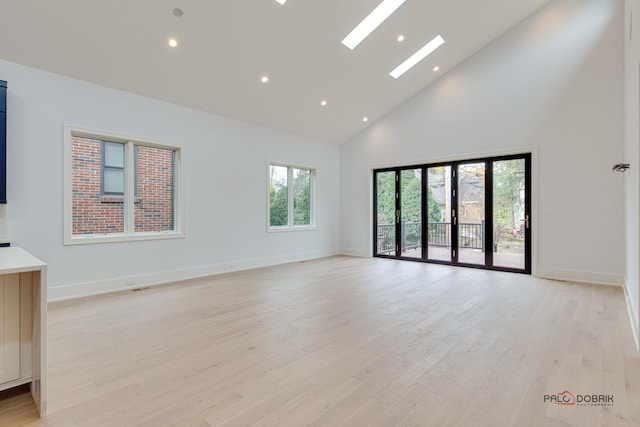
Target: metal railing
386,238
438,234
470,236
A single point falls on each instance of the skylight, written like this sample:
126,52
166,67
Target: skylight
425,51
371,22
281,1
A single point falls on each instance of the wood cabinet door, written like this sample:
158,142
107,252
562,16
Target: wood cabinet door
9,327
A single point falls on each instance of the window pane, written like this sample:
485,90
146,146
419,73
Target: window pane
439,213
509,213
411,213
92,213
301,197
114,154
113,181
154,189
278,197
471,195
386,213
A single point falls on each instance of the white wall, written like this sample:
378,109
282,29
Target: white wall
225,164
632,156
553,83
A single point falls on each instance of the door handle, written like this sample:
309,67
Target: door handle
526,221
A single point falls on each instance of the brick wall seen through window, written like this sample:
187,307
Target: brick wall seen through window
94,212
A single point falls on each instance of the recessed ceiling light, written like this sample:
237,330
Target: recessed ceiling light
323,102
173,42
400,38
178,12
371,22
281,1
436,68
365,119
264,79
417,57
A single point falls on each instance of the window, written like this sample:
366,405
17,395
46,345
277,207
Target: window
112,168
119,188
290,197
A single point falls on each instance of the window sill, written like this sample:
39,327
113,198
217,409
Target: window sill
117,199
90,239
289,229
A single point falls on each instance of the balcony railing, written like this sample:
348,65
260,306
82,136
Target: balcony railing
386,238
470,236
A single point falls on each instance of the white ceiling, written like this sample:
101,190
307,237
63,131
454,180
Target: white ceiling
227,45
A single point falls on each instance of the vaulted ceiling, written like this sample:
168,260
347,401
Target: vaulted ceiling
225,47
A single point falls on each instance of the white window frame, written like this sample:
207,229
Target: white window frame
312,199
129,191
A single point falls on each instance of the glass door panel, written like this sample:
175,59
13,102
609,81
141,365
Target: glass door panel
385,213
439,213
411,213
509,214
470,213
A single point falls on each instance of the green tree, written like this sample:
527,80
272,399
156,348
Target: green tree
411,196
386,197
301,196
508,178
278,205
411,185
433,208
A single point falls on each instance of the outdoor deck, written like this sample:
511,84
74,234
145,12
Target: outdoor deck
469,256
471,245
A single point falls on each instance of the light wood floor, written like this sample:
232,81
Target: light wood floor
340,342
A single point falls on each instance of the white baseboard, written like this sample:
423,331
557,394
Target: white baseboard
361,253
581,276
60,293
633,317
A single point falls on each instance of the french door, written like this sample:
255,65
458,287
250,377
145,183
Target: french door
473,213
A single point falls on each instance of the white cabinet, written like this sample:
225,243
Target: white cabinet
15,329
9,329
23,324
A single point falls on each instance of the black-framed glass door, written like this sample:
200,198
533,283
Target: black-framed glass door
385,197
439,212
469,213
510,212
473,213
410,181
